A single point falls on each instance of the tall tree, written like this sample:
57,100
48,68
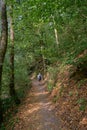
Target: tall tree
12,84
3,46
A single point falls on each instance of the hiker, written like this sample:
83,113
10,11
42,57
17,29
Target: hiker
39,77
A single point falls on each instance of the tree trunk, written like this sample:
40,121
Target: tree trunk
12,84
55,31
56,36
1,112
43,62
3,46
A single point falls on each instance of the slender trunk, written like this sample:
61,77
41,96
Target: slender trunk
1,112
12,91
56,36
12,86
43,60
3,46
55,31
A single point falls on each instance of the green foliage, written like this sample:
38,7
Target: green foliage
21,83
2,127
55,99
34,24
82,103
53,72
81,83
61,91
50,87
70,93
6,103
52,77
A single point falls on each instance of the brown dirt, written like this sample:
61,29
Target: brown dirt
69,92
37,111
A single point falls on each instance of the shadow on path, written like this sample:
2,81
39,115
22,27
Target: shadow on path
37,111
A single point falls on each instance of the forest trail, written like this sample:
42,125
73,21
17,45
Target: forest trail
37,111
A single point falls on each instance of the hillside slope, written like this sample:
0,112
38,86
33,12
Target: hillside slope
70,97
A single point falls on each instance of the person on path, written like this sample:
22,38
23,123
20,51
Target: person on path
39,77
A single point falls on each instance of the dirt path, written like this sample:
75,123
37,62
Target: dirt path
37,111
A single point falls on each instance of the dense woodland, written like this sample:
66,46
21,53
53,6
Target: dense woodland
47,36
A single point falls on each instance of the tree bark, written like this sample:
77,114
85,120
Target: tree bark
3,47
12,84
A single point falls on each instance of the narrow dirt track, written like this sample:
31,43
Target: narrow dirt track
37,111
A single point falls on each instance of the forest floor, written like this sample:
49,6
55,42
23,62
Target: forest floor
70,97
37,112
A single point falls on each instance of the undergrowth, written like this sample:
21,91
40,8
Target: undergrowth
9,106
